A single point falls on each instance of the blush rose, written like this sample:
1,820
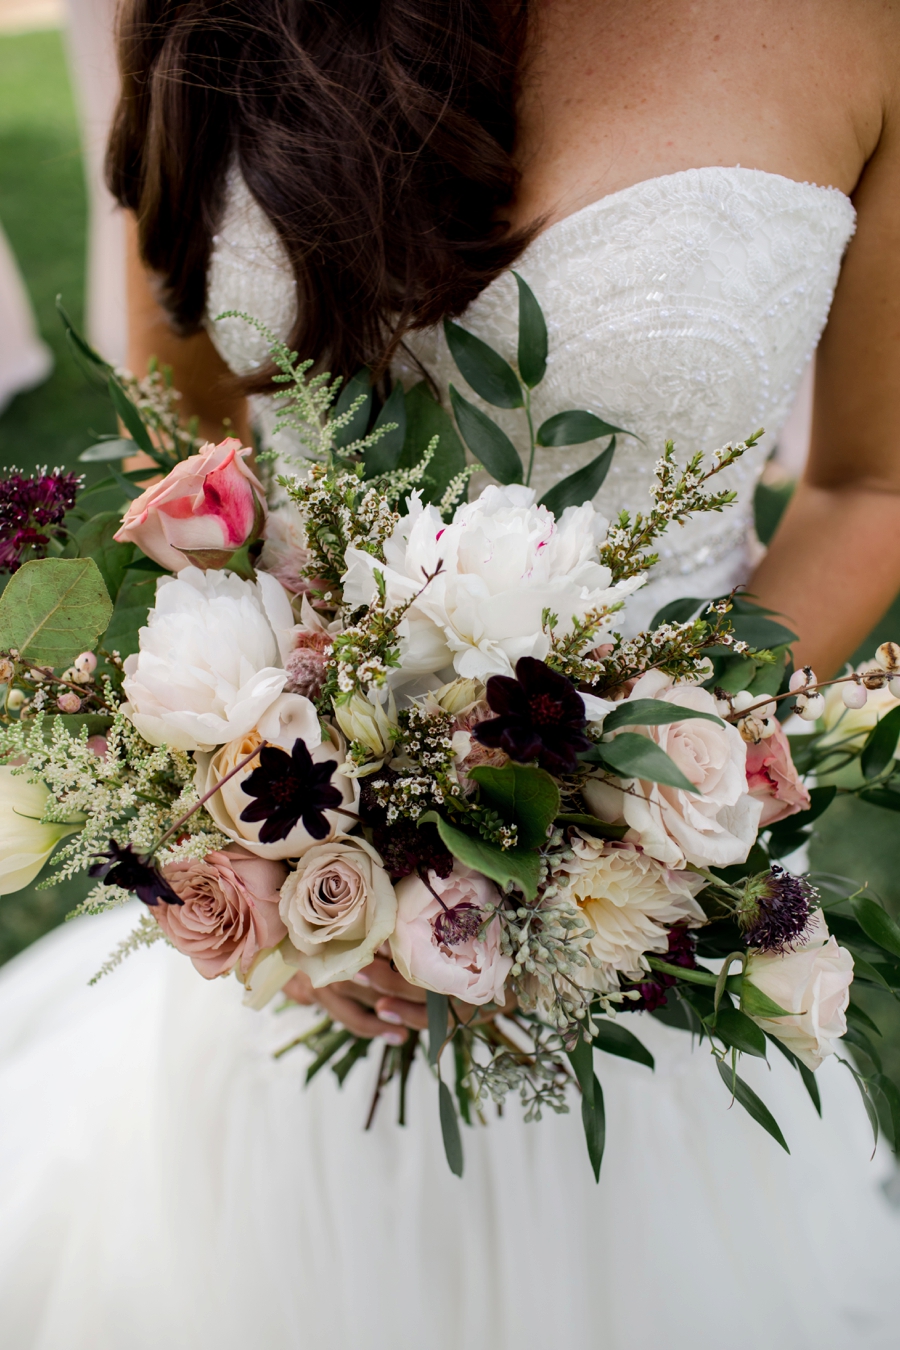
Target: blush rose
773,780
229,910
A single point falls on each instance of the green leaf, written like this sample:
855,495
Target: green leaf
438,1014
769,675
582,1060
425,419
521,795
450,1130
385,454
883,797
677,611
629,755
757,1004
645,712
807,1075
736,1029
752,1104
615,1039
591,825
532,354
131,490
501,865
95,540
881,745
872,919
856,1014
582,485
820,799
358,1050
574,428
593,1118
759,631
329,1048
54,608
484,369
131,418
856,1037
104,451
133,602
888,1090
864,970
485,439
867,1101
360,383
79,343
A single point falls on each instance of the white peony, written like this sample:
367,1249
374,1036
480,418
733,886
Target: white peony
211,658
714,827
812,983
504,561
630,901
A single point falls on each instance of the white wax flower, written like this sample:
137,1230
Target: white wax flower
504,561
211,658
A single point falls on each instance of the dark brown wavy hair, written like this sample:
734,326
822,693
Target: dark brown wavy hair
376,135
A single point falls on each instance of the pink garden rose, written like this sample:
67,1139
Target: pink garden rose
773,780
435,943
229,909
208,506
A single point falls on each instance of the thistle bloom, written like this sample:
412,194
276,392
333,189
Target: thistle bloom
540,715
776,910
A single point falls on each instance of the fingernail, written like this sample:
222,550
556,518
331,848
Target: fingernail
360,978
393,1037
385,1015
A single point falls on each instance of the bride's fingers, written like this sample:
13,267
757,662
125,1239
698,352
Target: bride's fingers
381,978
400,1011
358,1019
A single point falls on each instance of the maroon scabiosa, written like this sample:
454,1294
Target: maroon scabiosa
32,508
775,909
540,716
654,991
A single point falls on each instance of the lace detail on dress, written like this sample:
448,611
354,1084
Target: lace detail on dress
685,308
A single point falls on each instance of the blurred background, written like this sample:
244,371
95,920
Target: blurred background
60,235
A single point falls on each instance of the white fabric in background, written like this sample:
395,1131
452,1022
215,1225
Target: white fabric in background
24,359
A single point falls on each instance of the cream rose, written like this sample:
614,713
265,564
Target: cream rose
812,983
630,901
714,827
290,718
338,906
437,943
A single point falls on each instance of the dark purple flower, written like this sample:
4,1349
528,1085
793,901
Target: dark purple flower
123,867
540,716
404,846
775,910
655,989
452,927
288,788
31,509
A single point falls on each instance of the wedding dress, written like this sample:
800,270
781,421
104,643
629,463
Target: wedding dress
164,1181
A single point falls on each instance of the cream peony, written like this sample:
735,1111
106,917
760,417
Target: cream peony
812,983
339,906
630,901
291,717
211,659
714,827
25,842
436,943
505,560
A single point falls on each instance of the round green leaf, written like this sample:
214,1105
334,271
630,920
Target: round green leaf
54,608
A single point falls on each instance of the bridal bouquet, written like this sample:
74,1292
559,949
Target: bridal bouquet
359,714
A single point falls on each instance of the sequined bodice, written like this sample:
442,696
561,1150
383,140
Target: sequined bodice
684,308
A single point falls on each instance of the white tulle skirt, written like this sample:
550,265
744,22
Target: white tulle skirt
164,1182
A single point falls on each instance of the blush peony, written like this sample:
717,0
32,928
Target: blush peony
773,780
504,561
210,660
209,505
437,942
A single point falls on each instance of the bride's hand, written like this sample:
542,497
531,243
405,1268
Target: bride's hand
376,1002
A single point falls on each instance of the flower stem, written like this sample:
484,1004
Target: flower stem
205,798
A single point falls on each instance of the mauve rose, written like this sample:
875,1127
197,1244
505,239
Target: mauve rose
229,912
773,780
436,942
208,506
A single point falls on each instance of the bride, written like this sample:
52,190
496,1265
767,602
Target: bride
674,179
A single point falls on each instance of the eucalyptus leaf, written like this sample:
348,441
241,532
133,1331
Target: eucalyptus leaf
752,1104
875,922
522,795
501,865
54,608
438,1006
738,1030
574,428
450,1130
582,485
358,384
105,451
384,455
630,755
486,440
532,353
484,369
881,745
645,712
615,1039
593,1118
95,540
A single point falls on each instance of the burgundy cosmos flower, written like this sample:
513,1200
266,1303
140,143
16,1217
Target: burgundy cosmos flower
123,867
288,788
30,508
540,716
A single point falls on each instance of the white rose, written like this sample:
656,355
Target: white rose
812,983
291,717
25,842
630,901
505,560
338,906
210,660
716,826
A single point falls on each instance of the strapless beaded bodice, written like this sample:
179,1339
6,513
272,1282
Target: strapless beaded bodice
685,307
